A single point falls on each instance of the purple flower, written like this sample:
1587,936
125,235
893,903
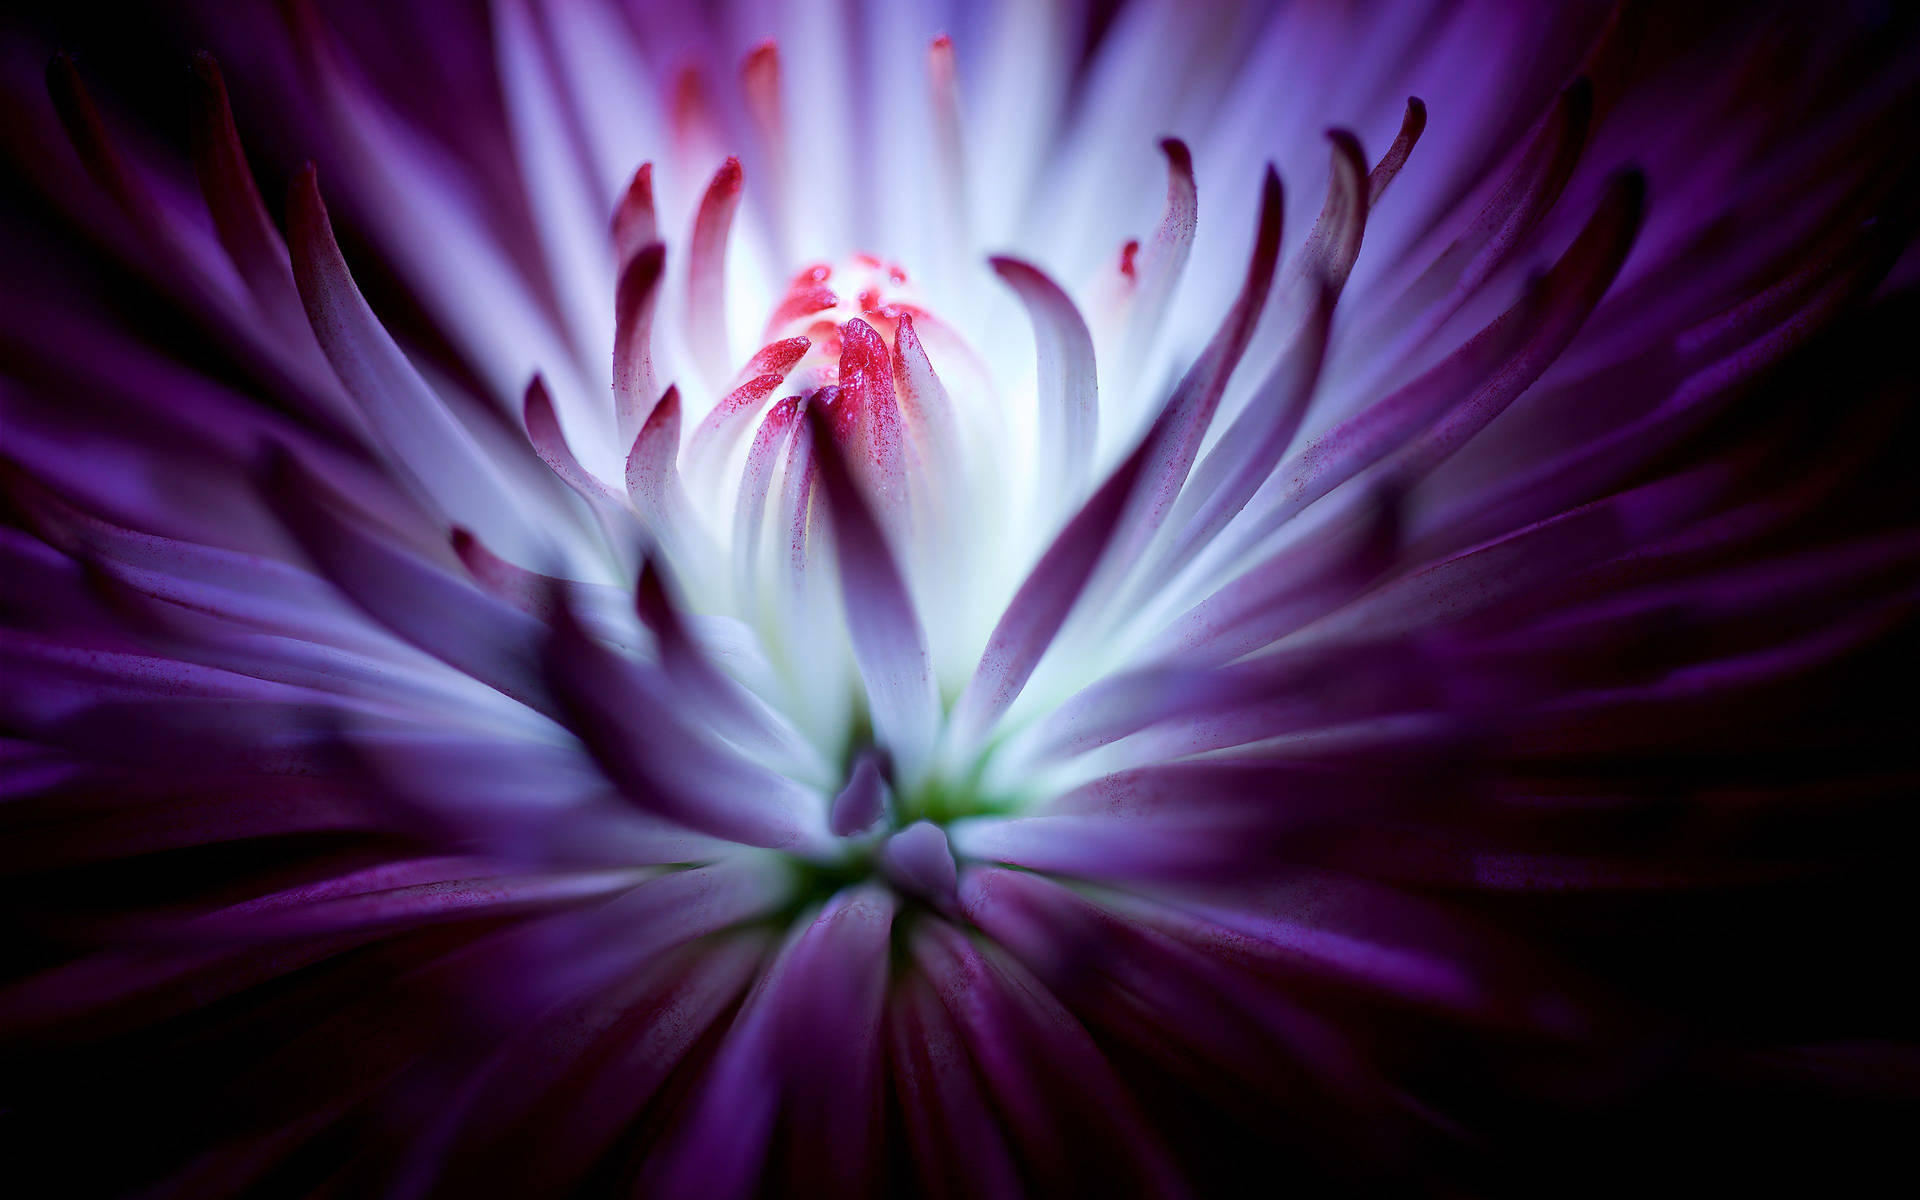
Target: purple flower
768,599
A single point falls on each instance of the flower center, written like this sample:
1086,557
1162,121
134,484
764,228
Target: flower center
822,298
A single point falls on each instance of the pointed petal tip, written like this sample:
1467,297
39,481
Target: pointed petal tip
1345,142
1272,217
309,229
536,408
863,801
659,437
920,860
304,203
1270,191
653,596
635,221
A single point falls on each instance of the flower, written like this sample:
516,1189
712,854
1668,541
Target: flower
825,625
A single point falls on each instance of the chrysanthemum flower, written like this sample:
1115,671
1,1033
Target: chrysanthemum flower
851,598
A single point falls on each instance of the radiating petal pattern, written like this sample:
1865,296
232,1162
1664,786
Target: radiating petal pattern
1035,597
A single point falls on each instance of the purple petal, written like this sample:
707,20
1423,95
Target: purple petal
951,1126
1456,398
919,860
862,801
1163,258
1042,604
805,1049
425,442
240,217
550,442
630,721
425,606
1412,125
636,299
1181,424
888,642
734,709
1245,455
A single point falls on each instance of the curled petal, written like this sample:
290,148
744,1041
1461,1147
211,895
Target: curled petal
239,216
729,418
948,141
1176,433
1506,566
1412,125
427,444
1032,1054
1527,193
760,81
635,386
1243,458
405,904
653,479
558,183
707,270
1163,259
586,1074
1334,243
1069,400
635,223
550,443
1461,394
